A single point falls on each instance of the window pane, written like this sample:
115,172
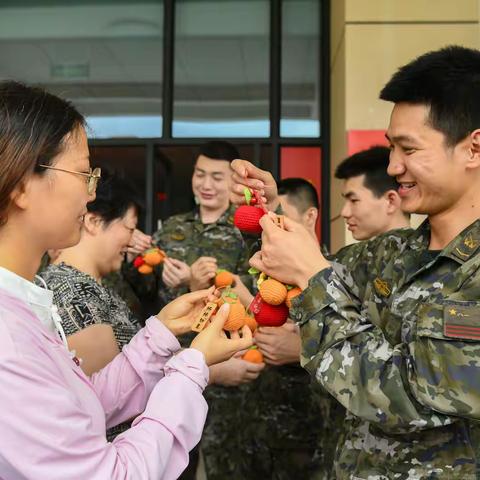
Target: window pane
106,56
300,68
221,68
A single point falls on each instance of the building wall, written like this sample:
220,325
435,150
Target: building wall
370,39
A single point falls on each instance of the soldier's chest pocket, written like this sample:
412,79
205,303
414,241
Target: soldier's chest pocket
452,320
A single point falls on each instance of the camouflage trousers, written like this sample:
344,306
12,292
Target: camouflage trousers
287,432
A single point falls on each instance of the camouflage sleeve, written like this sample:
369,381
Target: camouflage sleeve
250,245
401,388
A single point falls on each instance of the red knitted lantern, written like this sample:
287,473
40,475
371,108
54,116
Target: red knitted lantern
268,315
246,219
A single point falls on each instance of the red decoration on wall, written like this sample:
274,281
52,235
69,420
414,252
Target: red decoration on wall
303,162
364,139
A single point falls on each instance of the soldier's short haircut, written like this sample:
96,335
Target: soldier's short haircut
113,198
448,82
300,192
219,150
372,163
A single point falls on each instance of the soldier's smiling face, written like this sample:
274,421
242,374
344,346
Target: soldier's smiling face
211,182
433,176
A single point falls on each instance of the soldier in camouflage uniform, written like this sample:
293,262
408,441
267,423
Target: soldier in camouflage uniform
284,423
198,243
391,327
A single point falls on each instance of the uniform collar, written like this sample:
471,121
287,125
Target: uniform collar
226,218
461,248
40,300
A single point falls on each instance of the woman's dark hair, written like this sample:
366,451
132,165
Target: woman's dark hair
114,197
33,126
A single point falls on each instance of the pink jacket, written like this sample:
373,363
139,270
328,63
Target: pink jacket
53,417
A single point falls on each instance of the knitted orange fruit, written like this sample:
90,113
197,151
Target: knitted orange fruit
145,269
253,354
294,292
251,323
153,256
223,279
273,292
236,317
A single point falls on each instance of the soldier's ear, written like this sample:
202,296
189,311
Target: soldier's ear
474,149
393,201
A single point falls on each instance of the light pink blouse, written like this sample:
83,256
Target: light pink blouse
53,417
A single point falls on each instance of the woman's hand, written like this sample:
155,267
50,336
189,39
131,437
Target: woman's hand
180,314
213,342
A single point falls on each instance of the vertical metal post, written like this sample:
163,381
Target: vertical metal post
275,79
324,75
168,66
149,186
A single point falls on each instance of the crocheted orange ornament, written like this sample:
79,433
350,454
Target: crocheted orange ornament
253,354
273,292
291,294
145,269
251,323
154,256
236,317
223,279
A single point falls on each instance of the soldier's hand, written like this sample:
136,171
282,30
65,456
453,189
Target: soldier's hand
139,242
175,273
180,314
235,371
213,342
279,345
203,271
291,255
245,174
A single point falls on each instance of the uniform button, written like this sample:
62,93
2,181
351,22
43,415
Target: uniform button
298,316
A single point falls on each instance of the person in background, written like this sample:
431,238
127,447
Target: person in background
372,203
53,416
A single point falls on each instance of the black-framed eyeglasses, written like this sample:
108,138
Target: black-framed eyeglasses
92,177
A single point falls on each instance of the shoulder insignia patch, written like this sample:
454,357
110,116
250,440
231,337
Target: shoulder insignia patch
462,322
382,287
177,236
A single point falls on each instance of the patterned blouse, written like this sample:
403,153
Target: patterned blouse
82,301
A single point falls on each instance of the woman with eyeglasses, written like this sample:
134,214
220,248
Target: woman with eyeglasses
53,416
75,278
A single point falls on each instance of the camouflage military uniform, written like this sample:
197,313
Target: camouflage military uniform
288,433
393,333
186,238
